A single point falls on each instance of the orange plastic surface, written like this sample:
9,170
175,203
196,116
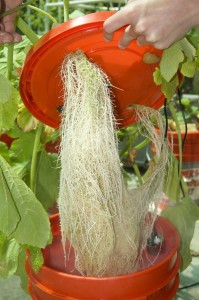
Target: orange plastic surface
41,85
159,280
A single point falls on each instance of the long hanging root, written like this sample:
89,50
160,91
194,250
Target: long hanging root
106,224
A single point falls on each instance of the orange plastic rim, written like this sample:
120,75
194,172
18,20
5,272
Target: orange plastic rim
41,85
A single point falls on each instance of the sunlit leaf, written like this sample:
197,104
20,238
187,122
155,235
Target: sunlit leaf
9,216
9,110
5,88
4,151
33,228
47,186
22,148
170,61
25,119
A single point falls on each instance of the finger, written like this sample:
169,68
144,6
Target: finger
17,37
5,38
141,40
127,37
9,25
115,22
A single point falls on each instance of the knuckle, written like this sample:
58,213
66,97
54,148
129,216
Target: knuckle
160,45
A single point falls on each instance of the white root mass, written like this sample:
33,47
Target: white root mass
106,224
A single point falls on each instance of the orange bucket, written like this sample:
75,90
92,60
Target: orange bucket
41,86
191,147
158,280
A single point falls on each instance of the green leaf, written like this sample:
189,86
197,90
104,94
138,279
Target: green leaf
33,227
25,119
55,25
21,149
188,68
194,39
170,61
16,132
172,180
4,151
169,88
183,217
36,258
5,88
9,252
21,271
47,186
76,14
22,169
9,216
188,49
157,77
9,110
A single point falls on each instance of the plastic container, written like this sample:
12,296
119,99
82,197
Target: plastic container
41,86
191,146
190,163
158,280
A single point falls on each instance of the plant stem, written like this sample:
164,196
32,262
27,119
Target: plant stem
23,26
10,61
43,12
66,10
173,113
17,8
137,173
142,144
33,170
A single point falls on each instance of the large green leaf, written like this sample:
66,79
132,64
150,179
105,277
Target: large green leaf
9,216
5,88
4,151
183,216
25,119
170,61
33,227
47,185
168,88
9,110
9,252
21,149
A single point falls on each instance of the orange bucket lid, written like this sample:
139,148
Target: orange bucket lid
41,85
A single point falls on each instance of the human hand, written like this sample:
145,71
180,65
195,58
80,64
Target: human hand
156,22
7,31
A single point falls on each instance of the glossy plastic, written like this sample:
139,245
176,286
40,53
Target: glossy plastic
158,280
41,86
